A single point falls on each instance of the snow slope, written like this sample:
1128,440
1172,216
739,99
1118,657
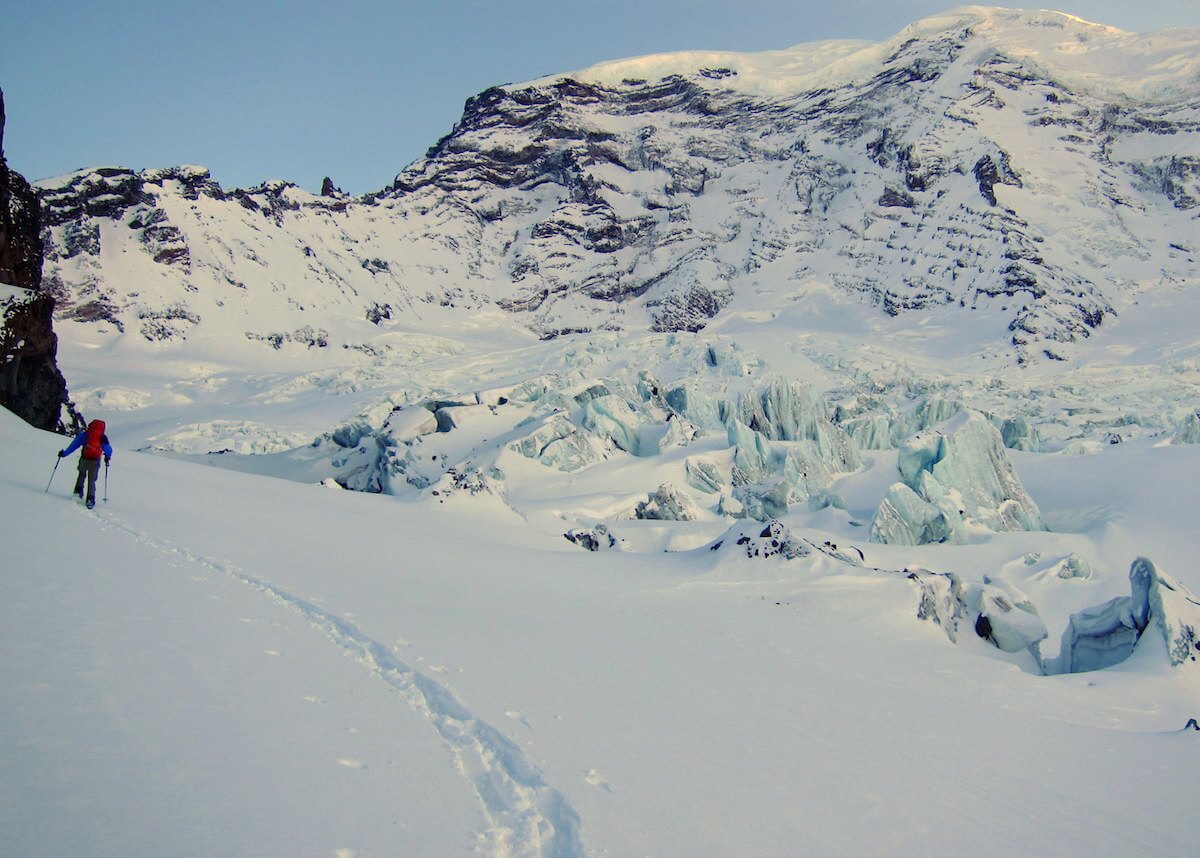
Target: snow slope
742,324
216,663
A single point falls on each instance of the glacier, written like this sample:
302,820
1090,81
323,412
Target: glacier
673,393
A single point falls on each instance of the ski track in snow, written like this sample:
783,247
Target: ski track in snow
526,816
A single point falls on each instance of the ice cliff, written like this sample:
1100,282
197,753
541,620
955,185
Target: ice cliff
1158,608
954,479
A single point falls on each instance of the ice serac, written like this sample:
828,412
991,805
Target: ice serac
942,601
1157,609
785,410
667,503
704,474
612,418
31,385
954,478
558,443
1188,431
785,447
906,518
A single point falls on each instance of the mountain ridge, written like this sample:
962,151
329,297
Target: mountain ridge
656,204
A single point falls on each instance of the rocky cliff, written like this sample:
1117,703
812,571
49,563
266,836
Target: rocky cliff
30,383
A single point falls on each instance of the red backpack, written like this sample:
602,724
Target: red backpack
93,443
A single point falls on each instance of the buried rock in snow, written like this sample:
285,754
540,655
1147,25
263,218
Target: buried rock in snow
1002,615
599,538
770,541
1012,621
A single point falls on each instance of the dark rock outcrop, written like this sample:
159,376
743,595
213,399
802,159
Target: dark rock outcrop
31,385
20,238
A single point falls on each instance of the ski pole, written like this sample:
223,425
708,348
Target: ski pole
106,480
52,473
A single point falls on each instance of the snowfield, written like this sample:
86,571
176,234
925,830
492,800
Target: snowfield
220,663
696,455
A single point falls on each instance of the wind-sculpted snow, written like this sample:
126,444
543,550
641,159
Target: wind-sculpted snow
954,479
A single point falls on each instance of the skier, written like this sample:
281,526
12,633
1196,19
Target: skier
95,444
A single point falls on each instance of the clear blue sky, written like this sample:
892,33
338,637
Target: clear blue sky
358,89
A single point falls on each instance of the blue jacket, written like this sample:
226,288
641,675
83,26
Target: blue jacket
78,442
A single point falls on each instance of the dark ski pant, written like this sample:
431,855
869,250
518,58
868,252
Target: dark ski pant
89,469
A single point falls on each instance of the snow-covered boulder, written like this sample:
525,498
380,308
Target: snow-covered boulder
1011,619
958,469
598,538
668,503
773,540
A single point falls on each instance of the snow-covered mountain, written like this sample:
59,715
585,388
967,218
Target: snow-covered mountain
643,302
1030,168
781,433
